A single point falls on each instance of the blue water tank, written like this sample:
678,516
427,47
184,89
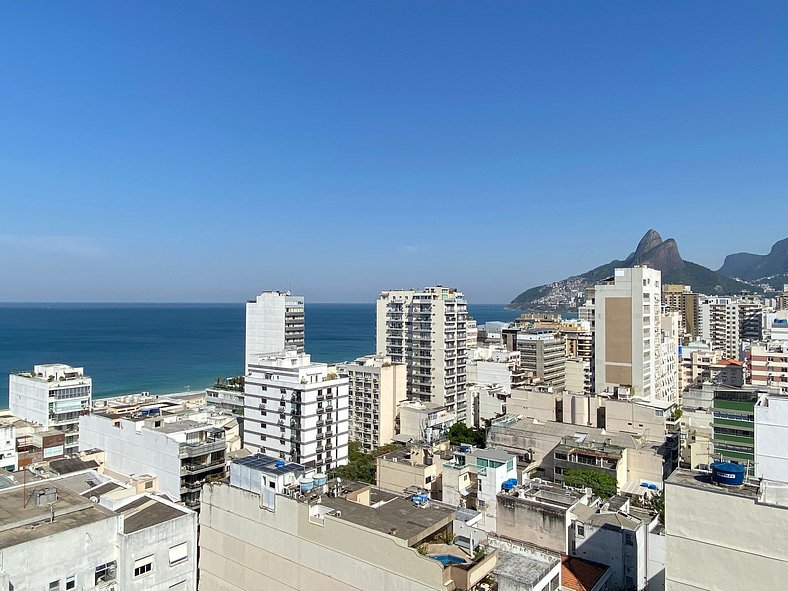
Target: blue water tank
507,485
320,479
728,473
279,464
644,484
465,448
652,487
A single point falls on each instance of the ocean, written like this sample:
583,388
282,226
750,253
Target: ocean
164,348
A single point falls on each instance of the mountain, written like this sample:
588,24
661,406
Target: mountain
757,267
652,251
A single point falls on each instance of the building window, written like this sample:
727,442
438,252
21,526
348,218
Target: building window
178,553
143,566
558,471
71,583
581,530
628,539
561,456
54,585
106,572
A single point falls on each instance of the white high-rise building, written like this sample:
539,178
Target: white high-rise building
426,330
296,410
274,322
726,321
54,395
627,331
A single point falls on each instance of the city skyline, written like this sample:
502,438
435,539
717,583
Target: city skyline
202,153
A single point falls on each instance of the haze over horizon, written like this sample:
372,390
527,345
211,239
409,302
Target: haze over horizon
204,152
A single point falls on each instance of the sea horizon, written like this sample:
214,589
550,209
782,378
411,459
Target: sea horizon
162,348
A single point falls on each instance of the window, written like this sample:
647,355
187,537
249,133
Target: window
54,585
106,572
560,456
178,586
148,484
580,529
628,539
143,566
558,471
71,582
178,553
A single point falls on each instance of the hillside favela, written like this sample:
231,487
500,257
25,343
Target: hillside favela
394,297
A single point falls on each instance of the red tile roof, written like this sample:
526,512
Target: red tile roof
730,362
579,574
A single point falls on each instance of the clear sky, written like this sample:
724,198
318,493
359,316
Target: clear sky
204,151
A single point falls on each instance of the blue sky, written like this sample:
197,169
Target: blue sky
204,151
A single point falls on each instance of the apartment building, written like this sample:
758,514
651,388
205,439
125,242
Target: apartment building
768,364
424,421
426,330
627,327
376,387
53,395
181,452
274,323
725,322
681,299
276,526
733,424
771,433
55,536
543,354
297,410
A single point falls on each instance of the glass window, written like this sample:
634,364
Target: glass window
54,585
143,566
580,529
106,572
71,582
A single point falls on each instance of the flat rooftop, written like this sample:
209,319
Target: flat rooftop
410,522
148,511
521,564
268,465
21,520
702,481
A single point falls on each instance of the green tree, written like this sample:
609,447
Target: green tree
362,467
461,433
602,484
657,503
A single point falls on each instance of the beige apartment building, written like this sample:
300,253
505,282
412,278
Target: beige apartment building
426,330
679,298
376,387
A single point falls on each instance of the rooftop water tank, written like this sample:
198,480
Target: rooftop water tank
320,479
507,485
279,464
306,483
465,448
728,473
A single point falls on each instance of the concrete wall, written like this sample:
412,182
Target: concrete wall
771,434
720,540
130,451
398,475
536,523
243,547
156,541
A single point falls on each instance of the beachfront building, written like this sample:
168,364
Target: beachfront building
426,330
273,526
376,387
182,447
53,395
274,322
296,410
61,534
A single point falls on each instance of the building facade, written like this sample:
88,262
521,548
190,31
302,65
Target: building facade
376,387
274,323
53,395
426,330
296,410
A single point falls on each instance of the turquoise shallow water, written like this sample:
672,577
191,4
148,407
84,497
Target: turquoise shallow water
168,347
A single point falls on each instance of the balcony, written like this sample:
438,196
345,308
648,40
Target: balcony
201,448
188,468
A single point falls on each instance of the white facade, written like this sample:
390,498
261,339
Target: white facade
627,329
54,395
9,459
181,452
424,421
726,321
296,410
145,544
426,330
771,435
274,322
376,388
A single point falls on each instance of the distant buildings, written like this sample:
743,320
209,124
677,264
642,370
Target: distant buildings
376,387
426,330
725,322
274,323
296,410
53,395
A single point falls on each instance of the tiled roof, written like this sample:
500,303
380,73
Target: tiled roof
579,574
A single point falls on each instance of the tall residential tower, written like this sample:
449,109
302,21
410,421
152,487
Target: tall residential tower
426,330
274,323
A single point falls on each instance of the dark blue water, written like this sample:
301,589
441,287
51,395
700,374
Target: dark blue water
170,347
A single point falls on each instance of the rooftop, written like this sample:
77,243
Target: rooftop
268,464
581,575
22,520
147,511
398,517
702,481
522,564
